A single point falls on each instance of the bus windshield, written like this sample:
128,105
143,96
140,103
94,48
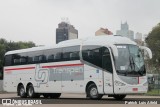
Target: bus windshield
130,61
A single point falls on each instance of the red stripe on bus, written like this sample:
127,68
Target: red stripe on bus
11,69
53,66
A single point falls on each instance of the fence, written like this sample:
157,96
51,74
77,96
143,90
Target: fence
153,84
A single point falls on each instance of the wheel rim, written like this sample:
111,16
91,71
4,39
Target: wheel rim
22,91
93,92
30,92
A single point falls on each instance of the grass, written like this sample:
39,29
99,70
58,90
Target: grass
153,92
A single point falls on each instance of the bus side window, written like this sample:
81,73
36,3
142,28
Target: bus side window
58,57
23,60
106,60
50,58
92,54
30,60
8,60
16,61
36,59
42,58
71,53
66,56
74,56
53,55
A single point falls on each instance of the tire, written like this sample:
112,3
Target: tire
31,93
119,97
55,95
21,92
92,92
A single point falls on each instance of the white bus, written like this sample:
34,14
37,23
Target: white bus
97,66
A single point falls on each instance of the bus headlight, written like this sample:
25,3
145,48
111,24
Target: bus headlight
146,83
118,83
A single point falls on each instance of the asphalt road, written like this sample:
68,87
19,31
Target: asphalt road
81,99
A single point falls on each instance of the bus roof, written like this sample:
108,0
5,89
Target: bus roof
96,40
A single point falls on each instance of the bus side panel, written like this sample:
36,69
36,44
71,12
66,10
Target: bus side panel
95,75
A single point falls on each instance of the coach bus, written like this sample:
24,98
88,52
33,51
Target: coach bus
97,66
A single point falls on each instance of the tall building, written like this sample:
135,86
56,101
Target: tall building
138,36
124,31
139,39
65,31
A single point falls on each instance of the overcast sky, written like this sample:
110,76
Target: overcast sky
37,20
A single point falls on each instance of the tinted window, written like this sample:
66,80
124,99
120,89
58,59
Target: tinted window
8,60
97,55
53,55
93,55
23,58
36,57
106,60
71,53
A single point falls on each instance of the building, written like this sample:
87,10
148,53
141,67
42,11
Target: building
138,36
139,39
65,31
124,31
103,31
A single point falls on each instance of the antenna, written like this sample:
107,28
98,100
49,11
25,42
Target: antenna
65,19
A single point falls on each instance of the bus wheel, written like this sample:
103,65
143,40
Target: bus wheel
55,95
31,93
92,92
21,92
119,97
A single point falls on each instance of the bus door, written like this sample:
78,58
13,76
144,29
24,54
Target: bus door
108,71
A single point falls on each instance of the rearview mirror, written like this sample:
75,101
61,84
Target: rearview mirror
147,50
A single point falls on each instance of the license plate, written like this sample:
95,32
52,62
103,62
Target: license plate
134,89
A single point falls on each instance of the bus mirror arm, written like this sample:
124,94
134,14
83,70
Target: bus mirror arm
147,50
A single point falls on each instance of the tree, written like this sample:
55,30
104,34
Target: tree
153,42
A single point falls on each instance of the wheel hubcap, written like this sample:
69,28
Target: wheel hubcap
22,91
93,92
30,92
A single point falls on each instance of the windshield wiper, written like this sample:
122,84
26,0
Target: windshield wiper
140,71
134,65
